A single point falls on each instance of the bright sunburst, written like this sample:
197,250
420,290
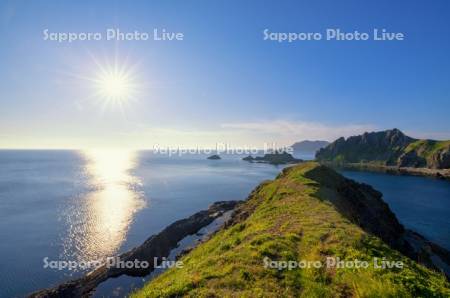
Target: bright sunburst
111,83
115,84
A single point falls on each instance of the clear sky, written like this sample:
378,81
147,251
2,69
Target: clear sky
223,82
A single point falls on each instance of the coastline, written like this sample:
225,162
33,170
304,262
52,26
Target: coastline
382,223
157,246
427,172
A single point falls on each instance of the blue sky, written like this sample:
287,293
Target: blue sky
223,82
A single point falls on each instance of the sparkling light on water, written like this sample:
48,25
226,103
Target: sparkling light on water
100,220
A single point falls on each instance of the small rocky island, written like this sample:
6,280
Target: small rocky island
276,158
214,157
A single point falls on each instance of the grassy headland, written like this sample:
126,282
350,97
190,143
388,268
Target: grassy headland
292,218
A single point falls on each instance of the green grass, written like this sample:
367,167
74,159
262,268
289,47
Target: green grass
289,222
426,148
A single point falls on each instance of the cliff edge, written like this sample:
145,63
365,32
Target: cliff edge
309,216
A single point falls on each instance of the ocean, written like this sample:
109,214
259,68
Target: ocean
58,206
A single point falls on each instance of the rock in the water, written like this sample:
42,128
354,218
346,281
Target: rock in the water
275,158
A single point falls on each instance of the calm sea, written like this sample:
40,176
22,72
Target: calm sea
78,206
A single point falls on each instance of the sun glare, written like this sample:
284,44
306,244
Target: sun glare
100,228
115,86
115,83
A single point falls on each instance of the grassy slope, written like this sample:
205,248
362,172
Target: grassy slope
289,222
426,148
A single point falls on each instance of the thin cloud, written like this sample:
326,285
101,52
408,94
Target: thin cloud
286,131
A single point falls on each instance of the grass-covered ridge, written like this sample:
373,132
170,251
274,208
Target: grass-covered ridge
290,218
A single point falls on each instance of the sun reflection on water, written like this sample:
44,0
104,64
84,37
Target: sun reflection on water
100,220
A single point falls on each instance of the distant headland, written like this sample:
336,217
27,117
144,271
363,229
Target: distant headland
389,150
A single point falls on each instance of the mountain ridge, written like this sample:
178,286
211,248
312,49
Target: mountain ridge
309,145
388,148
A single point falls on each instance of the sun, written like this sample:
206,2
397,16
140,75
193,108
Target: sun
115,83
115,86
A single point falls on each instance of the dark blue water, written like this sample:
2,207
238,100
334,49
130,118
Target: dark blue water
420,203
70,205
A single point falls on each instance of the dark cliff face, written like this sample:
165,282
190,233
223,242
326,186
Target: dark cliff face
384,146
411,159
361,204
364,206
441,160
390,148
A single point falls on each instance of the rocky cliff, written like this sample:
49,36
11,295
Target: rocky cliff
388,148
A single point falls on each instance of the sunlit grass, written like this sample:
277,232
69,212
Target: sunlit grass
289,222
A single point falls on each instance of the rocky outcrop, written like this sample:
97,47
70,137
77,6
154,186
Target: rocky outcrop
276,158
384,146
388,148
214,157
411,159
441,160
157,246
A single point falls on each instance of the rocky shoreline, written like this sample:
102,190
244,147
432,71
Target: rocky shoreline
436,173
156,246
